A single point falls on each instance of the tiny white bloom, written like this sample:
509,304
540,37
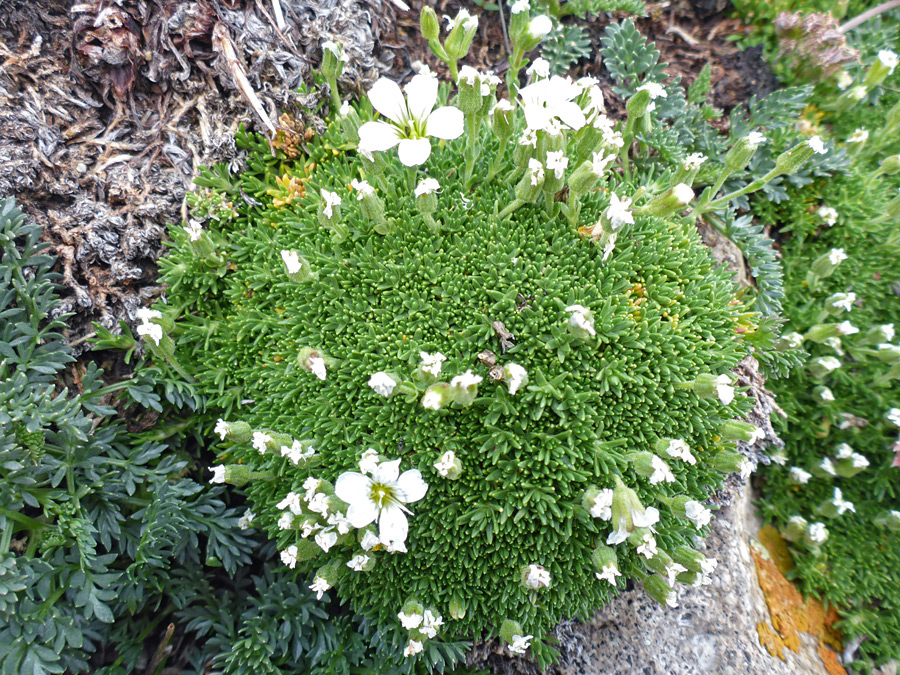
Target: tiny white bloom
699,514
345,109
218,474
887,330
326,539
844,80
844,300
517,377
291,261
358,562
317,367
859,461
289,556
535,172
520,6
363,189
888,59
829,363
330,199
382,383
747,467
369,461
858,92
602,505
842,505
445,464
369,540
520,643
245,520
599,162
847,328
817,146
319,586
431,363
827,466
835,344
296,453
826,394
538,68
818,532
431,623
292,502
893,416
528,137
694,161
412,647
724,389
858,136
661,472
680,450
828,214
286,521
618,212
318,503
551,101
655,89
464,19
222,428
410,621
673,570
539,26
337,50
502,105
311,485
683,193
755,138
708,565
151,330
609,573
261,441
146,314
466,380
843,451
557,162
648,546
580,320
194,230
432,400
427,186
799,476
537,577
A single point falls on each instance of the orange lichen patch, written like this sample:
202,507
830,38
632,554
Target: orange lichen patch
789,612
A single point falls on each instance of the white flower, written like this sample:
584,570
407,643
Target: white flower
286,521
528,137
218,474
381,498
410,621
858,136
261,441
194,230
311,485
502,105
859,461
580,320
755,138
516,377
609,573
599,162
296,453
844,451
829,363
648,517
464,19
538,68
535,172
798,475
317,367
152,330
680,450
337,50
847,328
618,212
887,330
358,562
539,26
146,315
759,435
369,540
369,461
648,546
893,416
557,162
550,100
844,80
382,383
445,464
656,90
827,466
431,623
330,200
826,394
888,59
245,520
724,389
432,400
318,503
610,245
817,145
326,539
412,118
520,6
222,428
466,380
661,472
363,189
601,506
413,646
817,532
747,468
694,161
683,193
841,504
319,586
345,109
292,502
431,363
673,570
520,643
708,565
289,556
291,261
844,300
427,186
828,214
698,513
537,577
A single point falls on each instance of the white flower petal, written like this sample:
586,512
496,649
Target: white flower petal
350,486
378,136
362,512
414,151
386,474
386,98
393,525
447,123
421,95
412,486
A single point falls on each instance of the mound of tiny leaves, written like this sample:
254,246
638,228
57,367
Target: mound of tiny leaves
534,399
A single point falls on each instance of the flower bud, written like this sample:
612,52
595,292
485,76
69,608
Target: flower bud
502,120
313,361
469,85
298,268
437,396
628,513
657,588
669,202
372,208
457,608
232,474
659,563
690,578
889,520
333,59
426,195
529,188
462,31
790,161
329,215
688,169
740,154
464,388
890,165
638,104
688,557
795,529
825,265
429,24
727,461
603,556
883,66
237,432
707,385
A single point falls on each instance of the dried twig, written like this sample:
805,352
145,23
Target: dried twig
222,45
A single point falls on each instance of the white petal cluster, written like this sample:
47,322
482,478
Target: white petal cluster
319,586
647,547
412,648
147,329
724,389
694,161
445,464
317,366
222,428
329,201
609,573
550,102
680,450
194,230
382,383
539,68
557,163
817,532
218,474
516,376
363,189
858,136
431,363
520,644
261,441
297,453
536,577
893,416
291,261
817,146
427,186
888,59
699,514
618,212
289,557
601,506
661,472
358,562
798,475
535,172
828,214
580,319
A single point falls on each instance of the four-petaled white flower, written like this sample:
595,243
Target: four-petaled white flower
369,461
609,573
319,586
222,428
520,643
291,261
382,383
552,100
817,146
381,498
431,363
427,186
580,319
618,212
412,647
696,512
431,623
602,505
536,577
680,450
261,441
410,621
557,163
858,136
363,189
358,562
194,230
661,472
648,546
330,200
798,475
218,474
535,171
412,118
445,464
289,556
